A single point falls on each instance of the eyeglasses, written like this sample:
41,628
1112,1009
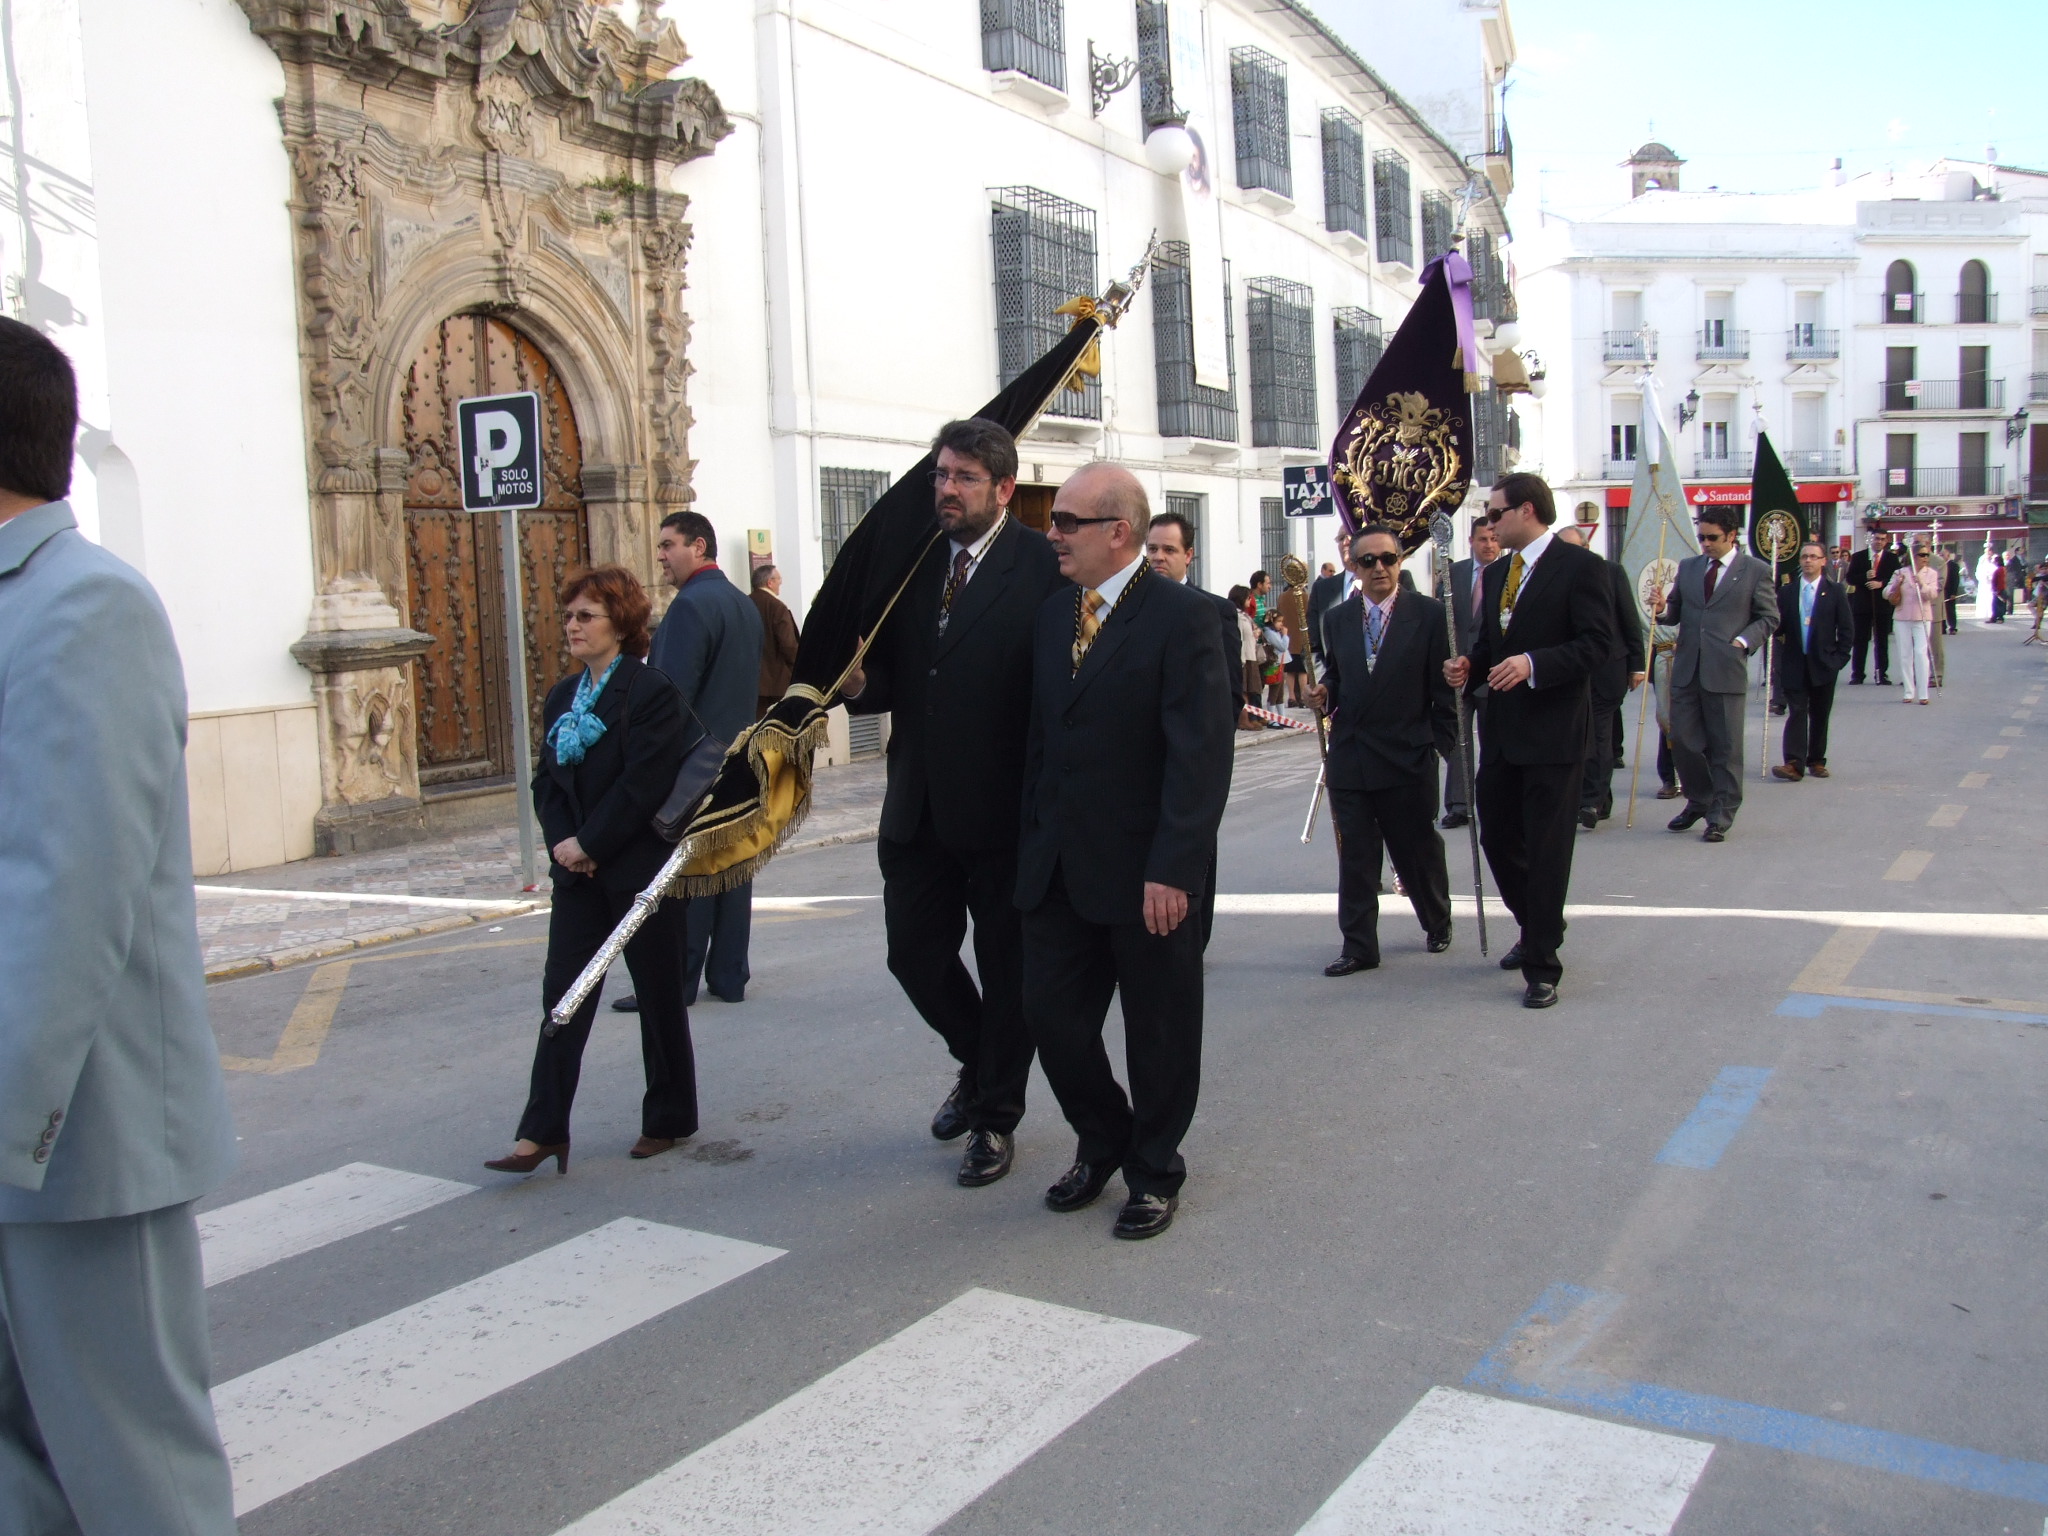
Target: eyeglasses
1073,522
1386,558
966,482
584,615
1495,514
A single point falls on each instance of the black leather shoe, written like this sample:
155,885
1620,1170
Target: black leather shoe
1145,1216
1667,791
1777,709
1349,965
1454,819
988,1158
1590,820
627,1004
1717,832
1541,994
1855,682
1079,1186
1512,960
1439,942
1687,819
951,1120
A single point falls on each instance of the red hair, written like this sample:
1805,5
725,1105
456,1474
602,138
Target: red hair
625,601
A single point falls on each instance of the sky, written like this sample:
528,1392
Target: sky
1762,95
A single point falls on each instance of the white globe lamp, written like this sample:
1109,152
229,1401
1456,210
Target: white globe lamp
1169,149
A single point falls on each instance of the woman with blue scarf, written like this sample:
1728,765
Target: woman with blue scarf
612,743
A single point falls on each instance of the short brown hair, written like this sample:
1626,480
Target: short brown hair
625,602
988,443
1520,487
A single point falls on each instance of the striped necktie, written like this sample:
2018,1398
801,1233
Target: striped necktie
1088,625
1513,588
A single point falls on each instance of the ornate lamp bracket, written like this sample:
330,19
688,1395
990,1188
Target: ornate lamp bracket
1107,74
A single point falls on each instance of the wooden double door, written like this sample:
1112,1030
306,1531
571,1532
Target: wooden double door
455,560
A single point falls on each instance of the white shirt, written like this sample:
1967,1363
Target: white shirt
977,549
1112,587
1530,553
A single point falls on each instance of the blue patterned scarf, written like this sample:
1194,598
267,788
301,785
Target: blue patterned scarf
576,730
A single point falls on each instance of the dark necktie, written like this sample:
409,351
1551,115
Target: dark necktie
961,561
1713,577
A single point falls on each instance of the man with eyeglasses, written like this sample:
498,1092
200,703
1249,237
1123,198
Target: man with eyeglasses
1724,607
1395,716
1546,621
952,665
1816,632
1126,770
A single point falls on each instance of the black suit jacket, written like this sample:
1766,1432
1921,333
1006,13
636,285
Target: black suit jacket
1564,622
1233,648
1800,665
607,802
1324,594
1392,722
1127,764
960,700
1610,678
1862,601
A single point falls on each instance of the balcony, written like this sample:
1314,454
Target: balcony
1629,346
1720,344
1944,395
1617,469
1813,461
2037,386
1976,309
1926,484
2037,301
1811,344
1023,45
1903,308
2037,488
1727,466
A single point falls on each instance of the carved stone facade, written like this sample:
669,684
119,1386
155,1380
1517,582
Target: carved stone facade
512,162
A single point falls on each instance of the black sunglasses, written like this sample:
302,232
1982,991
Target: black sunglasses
1073,522
1388,558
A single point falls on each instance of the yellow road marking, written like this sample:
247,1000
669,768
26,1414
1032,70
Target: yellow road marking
1946,815
306,1031
1828,973
1909,865
1974,781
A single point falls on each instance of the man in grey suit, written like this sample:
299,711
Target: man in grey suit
1724,606
1467,579
113,1116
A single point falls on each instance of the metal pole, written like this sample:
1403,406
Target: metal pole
1440,531
515,676
1649,657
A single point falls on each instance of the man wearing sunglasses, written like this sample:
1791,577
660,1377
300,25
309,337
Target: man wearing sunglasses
1546,622
953,665
1395,717
1126,770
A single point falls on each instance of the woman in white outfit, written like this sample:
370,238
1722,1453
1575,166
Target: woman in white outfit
1915,595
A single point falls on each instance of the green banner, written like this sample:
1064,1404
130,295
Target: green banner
1777,522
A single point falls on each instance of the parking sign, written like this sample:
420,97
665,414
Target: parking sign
498,437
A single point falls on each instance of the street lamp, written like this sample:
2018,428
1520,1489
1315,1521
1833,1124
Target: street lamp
1688,408
2016,426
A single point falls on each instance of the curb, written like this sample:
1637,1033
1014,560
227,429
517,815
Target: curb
279,959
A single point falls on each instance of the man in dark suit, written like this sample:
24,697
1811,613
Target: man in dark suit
1126,771
1465,599
1326,592
1395,715
1724,605
953,666
778,638
1815,631
1169,548
1546,621
1869,569
1613,680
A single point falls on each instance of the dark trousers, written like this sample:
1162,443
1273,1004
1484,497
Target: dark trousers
1596,789
1402,821
1528,818
1806,722
716,930
1706,739
1616,738
1949,605
1873,630
1071,967
581,919
928,894
1667,765
1209,902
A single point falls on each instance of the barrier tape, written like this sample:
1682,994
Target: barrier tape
1277,718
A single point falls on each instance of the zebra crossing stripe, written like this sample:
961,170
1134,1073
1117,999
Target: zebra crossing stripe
1462,1464
284,1223
303,1417
903,1437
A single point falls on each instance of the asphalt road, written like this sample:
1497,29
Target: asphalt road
1427,1237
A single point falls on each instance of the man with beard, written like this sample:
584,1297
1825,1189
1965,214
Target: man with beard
953,665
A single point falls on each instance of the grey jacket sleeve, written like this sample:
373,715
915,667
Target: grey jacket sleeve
1763,610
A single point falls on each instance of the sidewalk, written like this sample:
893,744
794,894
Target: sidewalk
456,882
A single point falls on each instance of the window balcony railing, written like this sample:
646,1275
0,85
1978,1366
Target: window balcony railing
1945,395
2037,386
1903,308
1027,36
1976,309
2037,487
1617,469
1726,466
1719,343
1638,346
1809,343
1813,461
2037,301
1963,480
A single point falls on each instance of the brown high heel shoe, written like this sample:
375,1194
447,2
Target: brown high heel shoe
526,1162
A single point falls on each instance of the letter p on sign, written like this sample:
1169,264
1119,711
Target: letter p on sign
500,448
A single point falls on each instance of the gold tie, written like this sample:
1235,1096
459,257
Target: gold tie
1513,589
1086,624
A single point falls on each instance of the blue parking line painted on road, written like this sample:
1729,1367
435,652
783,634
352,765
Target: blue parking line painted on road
1811,1005
1712,1125
1534,1361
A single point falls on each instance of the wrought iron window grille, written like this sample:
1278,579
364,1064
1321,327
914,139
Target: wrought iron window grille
1188,409
1280,321
1044,257
1438,222
1392,208
1258,109
1273,536
1358,339
1029,36
844,497
1155,67
1343,173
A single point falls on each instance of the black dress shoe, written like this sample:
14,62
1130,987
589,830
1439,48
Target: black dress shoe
627,1004
1717,832
1439,942
951,1120
988,1158
1080,1185
1145,1216
1541,994
1855,682
1668,791
1349,965
1777,709
1687,819
1589,819
1453,819
1512,960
